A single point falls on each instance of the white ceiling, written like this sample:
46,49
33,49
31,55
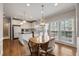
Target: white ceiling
34,10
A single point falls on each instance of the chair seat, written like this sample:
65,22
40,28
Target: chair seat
33,47
48,50
43,52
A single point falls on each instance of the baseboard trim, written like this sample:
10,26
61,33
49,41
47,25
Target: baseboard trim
66,44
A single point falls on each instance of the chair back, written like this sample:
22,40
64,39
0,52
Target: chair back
33,47
44,46
52,43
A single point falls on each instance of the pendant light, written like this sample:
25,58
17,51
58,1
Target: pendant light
42,22
24,21
24,18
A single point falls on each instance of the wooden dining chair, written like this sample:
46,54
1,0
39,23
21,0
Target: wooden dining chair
33,47
43,48
48,47
51,46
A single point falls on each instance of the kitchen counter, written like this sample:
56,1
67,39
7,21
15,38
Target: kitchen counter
24,37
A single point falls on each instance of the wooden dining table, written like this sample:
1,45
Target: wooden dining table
39,41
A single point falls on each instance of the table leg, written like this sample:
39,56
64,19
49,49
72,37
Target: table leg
38,49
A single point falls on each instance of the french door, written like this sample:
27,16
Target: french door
64,30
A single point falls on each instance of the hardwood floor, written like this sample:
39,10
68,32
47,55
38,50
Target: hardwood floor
64,50
15,48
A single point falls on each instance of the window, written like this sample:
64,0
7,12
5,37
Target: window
63,30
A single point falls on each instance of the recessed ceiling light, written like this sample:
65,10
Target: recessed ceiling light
28,4
24,21
15,17
55,4
42,12
31,17
21,23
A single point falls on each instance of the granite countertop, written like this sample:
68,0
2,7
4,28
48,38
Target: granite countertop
26,33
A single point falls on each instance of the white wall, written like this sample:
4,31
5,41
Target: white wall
1,29
61,16
77,17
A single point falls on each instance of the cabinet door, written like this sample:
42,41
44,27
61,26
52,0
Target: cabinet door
17,31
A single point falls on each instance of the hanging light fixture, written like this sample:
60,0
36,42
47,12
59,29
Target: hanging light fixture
24,18
23,22
42,22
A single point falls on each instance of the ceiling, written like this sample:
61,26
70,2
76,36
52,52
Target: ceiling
17,10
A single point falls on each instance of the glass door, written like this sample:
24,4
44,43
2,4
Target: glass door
63,30
66,31
69,30
54,29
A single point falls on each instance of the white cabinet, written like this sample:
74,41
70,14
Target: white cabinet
17,31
